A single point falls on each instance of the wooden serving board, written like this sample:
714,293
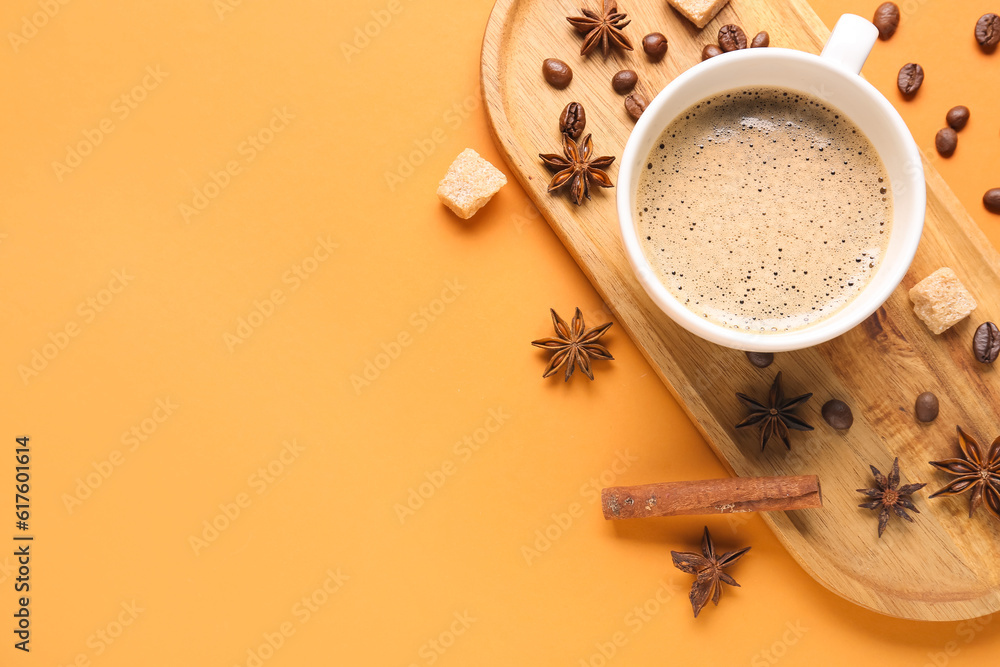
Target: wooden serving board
944,566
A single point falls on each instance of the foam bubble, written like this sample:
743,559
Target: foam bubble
765,210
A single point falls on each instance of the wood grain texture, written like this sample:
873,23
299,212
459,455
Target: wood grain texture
731,495
943,566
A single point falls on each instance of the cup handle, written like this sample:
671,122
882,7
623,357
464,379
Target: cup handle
850,42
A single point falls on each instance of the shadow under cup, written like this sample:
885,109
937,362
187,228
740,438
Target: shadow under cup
821,79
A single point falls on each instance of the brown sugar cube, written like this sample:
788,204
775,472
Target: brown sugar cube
941,300
698,12
469,184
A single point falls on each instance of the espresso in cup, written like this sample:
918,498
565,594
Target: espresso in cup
763,209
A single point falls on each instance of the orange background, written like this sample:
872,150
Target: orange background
297,264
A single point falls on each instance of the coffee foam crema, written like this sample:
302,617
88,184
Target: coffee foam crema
764,210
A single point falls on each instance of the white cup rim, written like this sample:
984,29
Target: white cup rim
871,297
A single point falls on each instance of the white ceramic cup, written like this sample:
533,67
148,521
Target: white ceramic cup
832,77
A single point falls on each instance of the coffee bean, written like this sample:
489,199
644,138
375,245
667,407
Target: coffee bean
557,73
991,200
655,45
838,414
635,104
624,81
572,120
710,51
957,117
926,407
911,75
732,38
988,31
761,39
946,141
886,19
986,343
760,359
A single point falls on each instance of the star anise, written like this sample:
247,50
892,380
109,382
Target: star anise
574,345
708,570
975,473
578,168
888,496
604,29
776,417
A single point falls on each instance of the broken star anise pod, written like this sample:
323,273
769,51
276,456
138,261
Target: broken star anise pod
574,345
974,472
774,418
578,169
708,570
889,496
604,29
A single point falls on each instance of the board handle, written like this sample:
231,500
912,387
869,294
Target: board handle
850,42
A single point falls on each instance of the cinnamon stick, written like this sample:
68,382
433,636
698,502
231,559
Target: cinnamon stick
712,496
